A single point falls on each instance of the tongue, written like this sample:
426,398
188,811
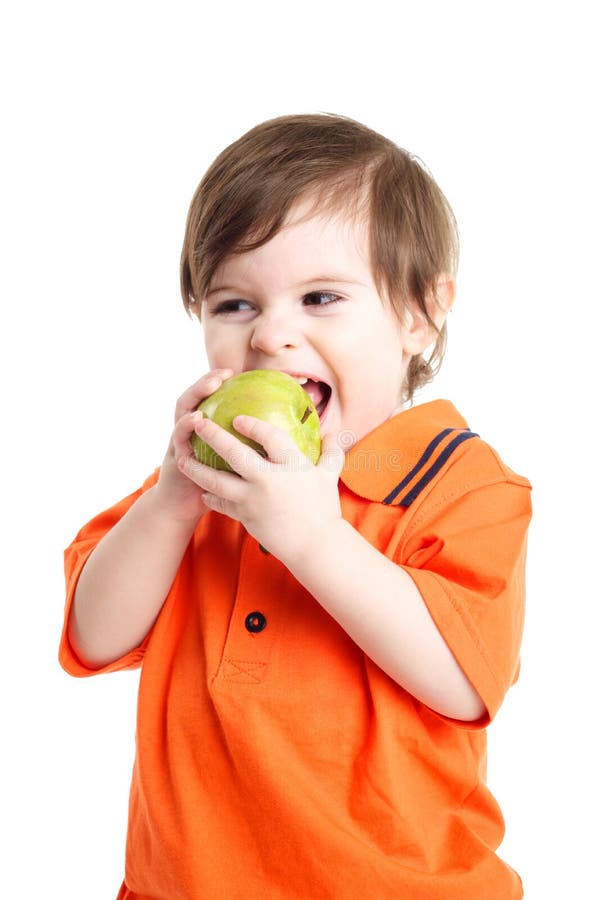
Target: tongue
315,391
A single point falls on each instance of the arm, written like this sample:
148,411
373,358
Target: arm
126,579
378,604
294,510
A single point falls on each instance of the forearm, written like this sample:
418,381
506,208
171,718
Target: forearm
377,603
373,599
125,581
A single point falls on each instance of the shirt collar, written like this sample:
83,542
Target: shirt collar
393,463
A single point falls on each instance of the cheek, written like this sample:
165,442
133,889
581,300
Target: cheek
373,380
218,347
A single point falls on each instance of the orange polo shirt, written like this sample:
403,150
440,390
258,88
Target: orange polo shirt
274,759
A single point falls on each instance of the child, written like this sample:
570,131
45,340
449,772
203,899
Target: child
312,716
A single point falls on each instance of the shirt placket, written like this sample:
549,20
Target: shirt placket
256,618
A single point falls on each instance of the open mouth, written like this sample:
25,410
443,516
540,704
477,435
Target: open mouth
318,391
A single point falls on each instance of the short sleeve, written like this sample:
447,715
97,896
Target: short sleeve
467,557
75,557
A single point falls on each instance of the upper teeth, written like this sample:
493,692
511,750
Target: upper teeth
301,379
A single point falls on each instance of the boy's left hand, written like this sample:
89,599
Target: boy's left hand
283,500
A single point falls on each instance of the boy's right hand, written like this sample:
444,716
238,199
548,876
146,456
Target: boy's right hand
180,497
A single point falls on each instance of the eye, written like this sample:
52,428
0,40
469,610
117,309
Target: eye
228,307
321,298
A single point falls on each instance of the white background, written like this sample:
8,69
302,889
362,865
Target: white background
110,114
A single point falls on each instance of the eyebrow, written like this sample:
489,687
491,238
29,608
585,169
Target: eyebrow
317,279
215,290
329,279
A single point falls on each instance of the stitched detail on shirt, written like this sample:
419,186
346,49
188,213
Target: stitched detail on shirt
427,513
469,627
243,671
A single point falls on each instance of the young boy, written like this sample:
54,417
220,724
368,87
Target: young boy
312,716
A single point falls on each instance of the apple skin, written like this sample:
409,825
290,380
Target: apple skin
266,394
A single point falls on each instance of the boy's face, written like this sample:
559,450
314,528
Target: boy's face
305,303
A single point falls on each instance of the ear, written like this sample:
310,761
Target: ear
195,309
419,333
440,298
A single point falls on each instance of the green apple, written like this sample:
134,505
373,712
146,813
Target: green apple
265,394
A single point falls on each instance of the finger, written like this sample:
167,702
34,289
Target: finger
214,482
202,388
332,456
184,429
278,445
218,504
239,456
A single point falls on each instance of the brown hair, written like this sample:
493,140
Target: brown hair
246,195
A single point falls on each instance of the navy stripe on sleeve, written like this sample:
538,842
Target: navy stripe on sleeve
434,468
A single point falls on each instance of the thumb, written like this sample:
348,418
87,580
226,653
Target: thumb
332,455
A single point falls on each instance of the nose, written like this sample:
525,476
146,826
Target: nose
274,332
